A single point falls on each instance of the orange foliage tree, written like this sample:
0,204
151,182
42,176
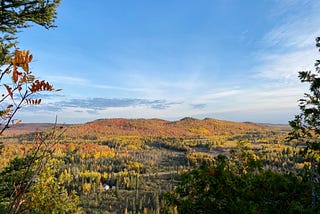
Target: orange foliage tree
31,173
22,86
22,174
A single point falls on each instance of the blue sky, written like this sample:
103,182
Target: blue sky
227,59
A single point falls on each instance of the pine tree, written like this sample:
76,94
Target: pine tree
306,126
16,15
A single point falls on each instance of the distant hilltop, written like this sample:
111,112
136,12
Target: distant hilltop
186,127
24,128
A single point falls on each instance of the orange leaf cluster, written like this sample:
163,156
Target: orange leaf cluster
40,86
33,102
4,114
23,78
21,59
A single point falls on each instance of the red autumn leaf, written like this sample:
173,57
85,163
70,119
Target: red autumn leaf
9,90
15,75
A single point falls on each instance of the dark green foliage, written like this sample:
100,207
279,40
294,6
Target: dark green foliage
224,187
14,175
306,125
19,14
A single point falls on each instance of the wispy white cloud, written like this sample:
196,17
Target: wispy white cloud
294,34
119,88
221,94
69,80
297,24
167,86
289,47
285,66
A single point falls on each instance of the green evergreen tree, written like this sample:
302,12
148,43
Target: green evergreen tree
16,15
306,126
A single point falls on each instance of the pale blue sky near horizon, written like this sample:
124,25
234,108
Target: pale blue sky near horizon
227,59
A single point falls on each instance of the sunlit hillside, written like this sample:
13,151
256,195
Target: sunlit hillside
186,127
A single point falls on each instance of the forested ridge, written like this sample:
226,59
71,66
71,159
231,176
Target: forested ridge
186,127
